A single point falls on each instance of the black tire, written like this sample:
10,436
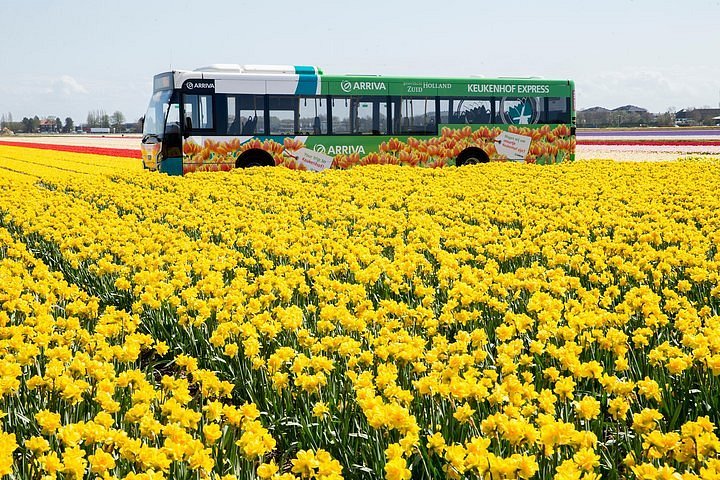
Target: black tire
255,158
472,156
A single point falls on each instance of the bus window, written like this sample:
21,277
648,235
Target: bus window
340,108
156,112
245,114
558,110
416,115
234,120
172,138
362,117
173,115
283,115
198,109
445,110
381,112
313,115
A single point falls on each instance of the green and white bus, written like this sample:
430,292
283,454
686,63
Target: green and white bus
234,116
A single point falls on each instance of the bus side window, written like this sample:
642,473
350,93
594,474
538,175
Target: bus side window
251,112
199,111
234,120
283,114
417,116
340,115
313,116
445,110
558,110
362,117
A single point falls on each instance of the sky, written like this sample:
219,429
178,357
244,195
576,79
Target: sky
66,58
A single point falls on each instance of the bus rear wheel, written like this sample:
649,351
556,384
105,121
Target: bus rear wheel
255,158
472,156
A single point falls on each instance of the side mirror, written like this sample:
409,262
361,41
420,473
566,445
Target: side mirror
141,122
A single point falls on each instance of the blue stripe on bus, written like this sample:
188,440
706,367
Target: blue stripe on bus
304,70
171,166
307,85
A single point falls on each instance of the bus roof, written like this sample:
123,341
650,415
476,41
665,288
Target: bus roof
310,80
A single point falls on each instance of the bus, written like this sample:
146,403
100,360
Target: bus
222,117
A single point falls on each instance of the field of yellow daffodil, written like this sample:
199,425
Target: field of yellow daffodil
498,321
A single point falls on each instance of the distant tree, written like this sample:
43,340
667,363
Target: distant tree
3,121
35,124
14,126
98,118
117,119
27,125
594,118
666,119
58,124
69,125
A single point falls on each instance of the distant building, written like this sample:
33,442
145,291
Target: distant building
48,125
625,116
631,116
697,116
593,117
629,109
596,110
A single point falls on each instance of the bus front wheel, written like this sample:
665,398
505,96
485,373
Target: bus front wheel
255,158
472,156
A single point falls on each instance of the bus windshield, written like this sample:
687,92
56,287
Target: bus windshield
156,112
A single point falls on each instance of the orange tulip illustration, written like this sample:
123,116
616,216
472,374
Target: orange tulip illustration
254,143
293,144
561,131
545,143
191,148
212,145
233,145
271,146
536,149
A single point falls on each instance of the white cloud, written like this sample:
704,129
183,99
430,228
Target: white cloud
67,86
653,89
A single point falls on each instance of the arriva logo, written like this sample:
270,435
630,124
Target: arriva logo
339,149
347,86
190,85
